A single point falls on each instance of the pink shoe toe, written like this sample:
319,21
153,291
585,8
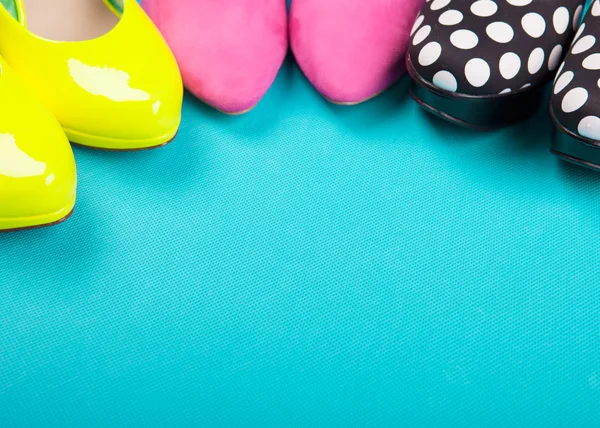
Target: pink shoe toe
229,52
351,50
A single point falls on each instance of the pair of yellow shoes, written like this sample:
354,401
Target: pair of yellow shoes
119,91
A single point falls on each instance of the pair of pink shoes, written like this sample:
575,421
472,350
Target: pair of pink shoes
229,51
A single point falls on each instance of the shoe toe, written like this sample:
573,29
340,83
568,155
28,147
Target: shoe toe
119,91
486,48
37,177
351,51
229,53
123,108
573,103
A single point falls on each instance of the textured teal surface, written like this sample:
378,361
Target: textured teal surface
309,265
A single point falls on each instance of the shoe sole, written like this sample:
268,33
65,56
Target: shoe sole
120,145
42,221
482,113
141,149
572,147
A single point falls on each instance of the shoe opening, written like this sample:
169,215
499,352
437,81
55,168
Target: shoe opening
69,20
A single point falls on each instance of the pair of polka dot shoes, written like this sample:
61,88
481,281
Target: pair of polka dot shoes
575,103
485,63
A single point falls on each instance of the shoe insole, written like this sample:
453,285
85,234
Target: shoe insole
69,20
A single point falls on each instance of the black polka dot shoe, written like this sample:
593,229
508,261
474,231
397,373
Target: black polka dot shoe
575,103
484,63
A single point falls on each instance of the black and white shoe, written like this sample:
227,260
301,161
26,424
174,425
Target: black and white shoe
485,63
575,103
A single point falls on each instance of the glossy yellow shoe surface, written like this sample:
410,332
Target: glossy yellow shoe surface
37,168
119,91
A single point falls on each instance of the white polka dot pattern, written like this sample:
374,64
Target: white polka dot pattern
563,81
421,34
577,17
500,32
477,72
583,44
589,127
451,17
417,24
484,8
536,59
464,39
592,62
554,57
430,53
559,70
438,4
579,32
519,2
534,24
510,64
575,99
560,20
445,80
491,47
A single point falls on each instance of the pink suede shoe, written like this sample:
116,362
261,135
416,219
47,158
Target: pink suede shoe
229,51
352,50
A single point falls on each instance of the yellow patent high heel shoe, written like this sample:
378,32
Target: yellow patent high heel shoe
37,168
100,66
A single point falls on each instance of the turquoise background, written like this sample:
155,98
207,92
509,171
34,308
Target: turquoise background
309,265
